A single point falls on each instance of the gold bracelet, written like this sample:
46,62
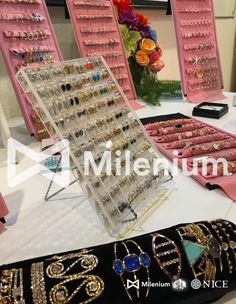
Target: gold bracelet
132,263
93,285
226,227
225,243
11,286
38,284
162,248
214,247
201,254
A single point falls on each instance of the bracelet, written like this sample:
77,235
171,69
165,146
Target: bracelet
65,269
214,247
162,248
131,263
231,234
202,253
38,284
226,243
11,286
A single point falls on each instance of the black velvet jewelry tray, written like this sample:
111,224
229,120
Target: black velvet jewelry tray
114,292
211,110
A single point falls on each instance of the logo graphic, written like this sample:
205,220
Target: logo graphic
62,147
179,285
131,284
196,284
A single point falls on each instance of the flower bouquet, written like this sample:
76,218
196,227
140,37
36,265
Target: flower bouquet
144,54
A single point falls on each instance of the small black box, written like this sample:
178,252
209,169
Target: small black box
211,110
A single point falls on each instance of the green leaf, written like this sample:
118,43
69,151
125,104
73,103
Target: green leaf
149,88
130,39
130,49
133,37
124,31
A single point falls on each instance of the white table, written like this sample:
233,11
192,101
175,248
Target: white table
36,228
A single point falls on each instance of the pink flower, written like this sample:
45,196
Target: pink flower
158,66
154,57
159,48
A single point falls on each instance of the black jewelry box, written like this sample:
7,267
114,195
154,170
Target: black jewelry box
211,110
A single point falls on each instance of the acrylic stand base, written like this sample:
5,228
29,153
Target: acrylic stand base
47,197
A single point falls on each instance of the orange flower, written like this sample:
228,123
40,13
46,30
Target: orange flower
142,19
147,45
142,58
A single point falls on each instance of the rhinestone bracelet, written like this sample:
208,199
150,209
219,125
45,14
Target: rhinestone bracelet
37,284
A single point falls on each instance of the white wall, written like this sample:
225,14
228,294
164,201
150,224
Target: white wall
163,24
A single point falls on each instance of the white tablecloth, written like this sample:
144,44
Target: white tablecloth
36,228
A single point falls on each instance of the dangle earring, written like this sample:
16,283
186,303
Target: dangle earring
36,56
31,58
41,56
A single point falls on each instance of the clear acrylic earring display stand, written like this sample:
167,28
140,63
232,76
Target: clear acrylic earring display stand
81,101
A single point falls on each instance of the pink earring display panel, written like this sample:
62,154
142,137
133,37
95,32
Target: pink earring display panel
198,50
27,48
97,34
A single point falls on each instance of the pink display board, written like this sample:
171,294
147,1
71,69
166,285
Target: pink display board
198,50
194,140
97,34
27,38
3,212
